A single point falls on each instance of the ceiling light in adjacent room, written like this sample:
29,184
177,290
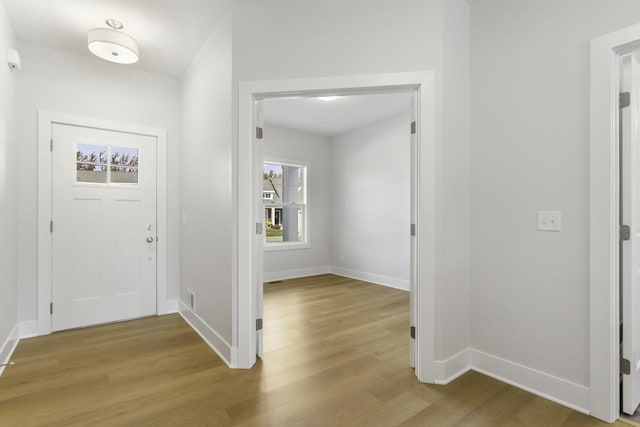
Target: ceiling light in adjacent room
112,45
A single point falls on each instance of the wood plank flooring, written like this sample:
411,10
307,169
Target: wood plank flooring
336,354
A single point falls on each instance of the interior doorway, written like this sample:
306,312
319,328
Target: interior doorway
348,184
250,213
610,273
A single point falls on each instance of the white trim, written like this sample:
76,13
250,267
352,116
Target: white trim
46,119
28,329
296,273
603,217
208,334
455,366
378,279
429,147
8,347
567,393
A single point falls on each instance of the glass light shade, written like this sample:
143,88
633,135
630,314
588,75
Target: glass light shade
113,46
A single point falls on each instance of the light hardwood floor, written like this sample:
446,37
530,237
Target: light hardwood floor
336,353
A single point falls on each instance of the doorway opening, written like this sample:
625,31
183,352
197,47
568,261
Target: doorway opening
250,213
345,204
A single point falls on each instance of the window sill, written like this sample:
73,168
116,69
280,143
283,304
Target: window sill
285,246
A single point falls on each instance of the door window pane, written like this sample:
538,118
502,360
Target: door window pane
102,164
91,163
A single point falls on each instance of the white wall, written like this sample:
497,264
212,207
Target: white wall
8,185
530,151
371,202
283,143
65,83
307,38
453,255
206,243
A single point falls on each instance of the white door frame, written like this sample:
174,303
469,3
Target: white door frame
429,146
46,120
604,221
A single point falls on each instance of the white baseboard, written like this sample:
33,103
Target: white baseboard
378,279
208,334
567,393
28,329
294,274
8,347
450,369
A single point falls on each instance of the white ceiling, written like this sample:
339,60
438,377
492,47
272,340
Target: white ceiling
169,32
334,117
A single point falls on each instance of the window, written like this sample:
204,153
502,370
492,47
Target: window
106,164
284,194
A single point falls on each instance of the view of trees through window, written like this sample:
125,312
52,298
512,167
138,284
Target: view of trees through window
105,164
284,197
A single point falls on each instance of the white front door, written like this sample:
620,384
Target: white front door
630,245
104,226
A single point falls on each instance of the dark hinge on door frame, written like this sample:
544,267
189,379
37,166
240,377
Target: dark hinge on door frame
258,324
51,226
259,132
625,232
413,128
625,366
625,99
413,332
51,144
50,308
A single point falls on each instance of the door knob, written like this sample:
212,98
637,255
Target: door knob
149,239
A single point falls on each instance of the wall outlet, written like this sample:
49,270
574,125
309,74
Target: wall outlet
549,221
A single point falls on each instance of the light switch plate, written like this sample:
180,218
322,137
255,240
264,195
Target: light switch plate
549,221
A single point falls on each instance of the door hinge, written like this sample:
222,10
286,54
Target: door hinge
258,228
51,144
413,128
625,232
625,99
258,324
413,229
625,366
259,132
51,226
50,308
413,332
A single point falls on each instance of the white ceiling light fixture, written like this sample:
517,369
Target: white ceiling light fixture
328,98
113,45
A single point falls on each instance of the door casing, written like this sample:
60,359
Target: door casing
45,121
245,281
604,225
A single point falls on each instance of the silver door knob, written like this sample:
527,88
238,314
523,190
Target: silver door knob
149,239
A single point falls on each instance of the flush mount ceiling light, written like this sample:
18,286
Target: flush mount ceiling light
328,98
113,45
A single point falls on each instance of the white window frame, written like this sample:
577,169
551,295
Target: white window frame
306,243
